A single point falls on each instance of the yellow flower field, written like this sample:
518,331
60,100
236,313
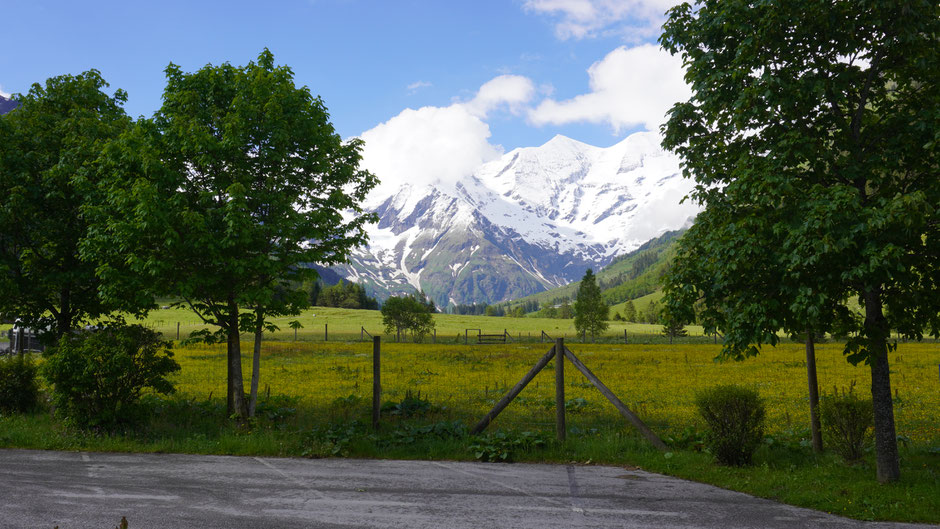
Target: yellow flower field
657,381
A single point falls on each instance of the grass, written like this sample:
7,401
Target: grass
346,324
316,402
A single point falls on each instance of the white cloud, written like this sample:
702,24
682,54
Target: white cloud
510,90
417,85
629,87
439,145
578,19
4,93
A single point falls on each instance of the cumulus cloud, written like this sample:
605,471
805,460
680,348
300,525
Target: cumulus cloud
629,87
439,145
4,93
514,91
578,19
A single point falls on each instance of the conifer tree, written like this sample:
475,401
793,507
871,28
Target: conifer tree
590,311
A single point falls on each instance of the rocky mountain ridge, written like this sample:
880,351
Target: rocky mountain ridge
534,219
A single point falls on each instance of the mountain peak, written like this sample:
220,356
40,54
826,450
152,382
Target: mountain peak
533,219
560,141
7,105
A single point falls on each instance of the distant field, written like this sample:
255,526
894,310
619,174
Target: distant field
346,324
658,381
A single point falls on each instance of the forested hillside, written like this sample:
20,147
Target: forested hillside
629,276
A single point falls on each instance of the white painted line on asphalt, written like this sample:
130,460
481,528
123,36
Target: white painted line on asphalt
574,491
292,479
89,470
102,496
504,485
366,503
591,510
330,516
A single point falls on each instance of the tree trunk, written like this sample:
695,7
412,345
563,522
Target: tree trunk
236,383
813,391
886,442
256,363
64,317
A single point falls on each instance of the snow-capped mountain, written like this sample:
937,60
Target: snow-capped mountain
7,105
534,219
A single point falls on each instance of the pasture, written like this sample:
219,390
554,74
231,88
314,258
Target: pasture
346,325
659,382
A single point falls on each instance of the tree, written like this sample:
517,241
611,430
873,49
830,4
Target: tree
236,184
408,313
48,148
812,134
629,311
653,313
590,310
673,328
347,295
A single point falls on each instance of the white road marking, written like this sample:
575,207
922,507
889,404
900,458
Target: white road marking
292,479
504,485
634,512
102,496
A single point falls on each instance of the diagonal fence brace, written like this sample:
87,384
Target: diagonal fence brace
514,392
621,407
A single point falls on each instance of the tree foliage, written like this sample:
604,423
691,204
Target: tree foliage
590,310
48,151
345,294
222,197
812,134
629,311
408,313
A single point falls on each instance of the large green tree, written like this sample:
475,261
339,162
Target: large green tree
812,134
408,313
48,151
590,310
224,196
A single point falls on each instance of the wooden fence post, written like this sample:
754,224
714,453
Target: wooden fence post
177,331
376,380
624,336
560,429
326,332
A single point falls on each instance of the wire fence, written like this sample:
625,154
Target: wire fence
333,380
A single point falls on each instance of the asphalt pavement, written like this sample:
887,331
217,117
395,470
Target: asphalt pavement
44,489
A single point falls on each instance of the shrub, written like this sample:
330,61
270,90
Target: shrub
98,376
846,421
735,418
19,390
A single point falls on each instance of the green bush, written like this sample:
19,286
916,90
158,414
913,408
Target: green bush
847,421
735,418
98,376
19,390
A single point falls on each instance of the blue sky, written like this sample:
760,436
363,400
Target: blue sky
478,77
